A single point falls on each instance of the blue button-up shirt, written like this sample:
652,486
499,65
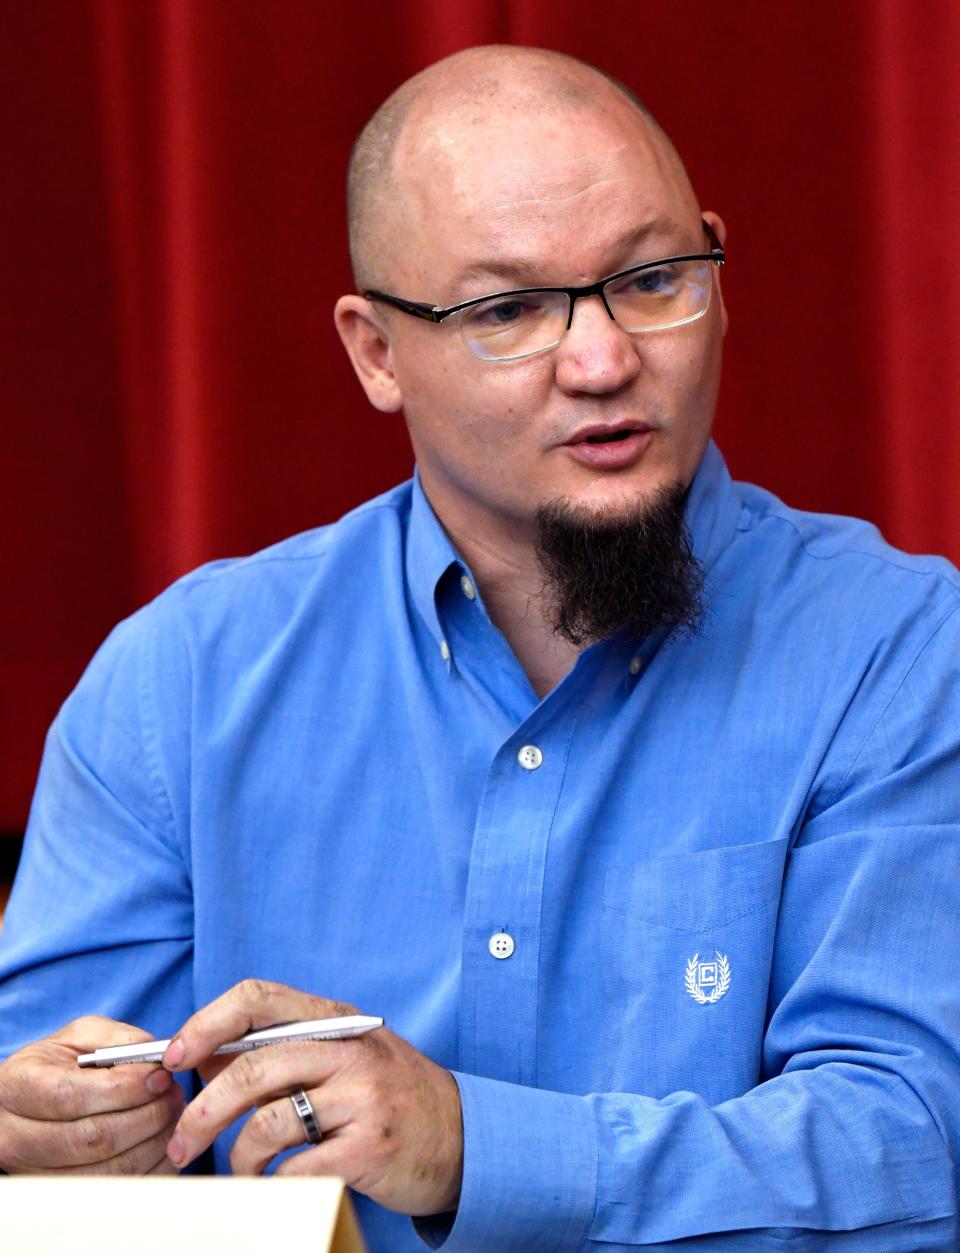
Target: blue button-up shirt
732,1010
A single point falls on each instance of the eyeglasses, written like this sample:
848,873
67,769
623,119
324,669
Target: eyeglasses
655,296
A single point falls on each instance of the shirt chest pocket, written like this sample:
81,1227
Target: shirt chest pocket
685,967
698,892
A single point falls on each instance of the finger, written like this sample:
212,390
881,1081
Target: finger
43,1081
365,1162
93,1031
340,1155
212,1067
38,1081
275,1127
253,1079
164,1167
319,1160
31,1143
139,1159
247,1006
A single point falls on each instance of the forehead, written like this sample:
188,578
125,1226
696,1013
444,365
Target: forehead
556,188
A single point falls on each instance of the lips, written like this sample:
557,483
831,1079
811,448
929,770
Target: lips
607,434
615,447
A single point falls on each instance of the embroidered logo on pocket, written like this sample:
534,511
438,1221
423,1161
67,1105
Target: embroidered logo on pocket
707,981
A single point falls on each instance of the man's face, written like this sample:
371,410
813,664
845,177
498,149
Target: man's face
559,199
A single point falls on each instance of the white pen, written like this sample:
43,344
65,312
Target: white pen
282,1033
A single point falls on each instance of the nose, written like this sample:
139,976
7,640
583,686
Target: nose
595,355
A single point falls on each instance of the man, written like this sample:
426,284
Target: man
624,793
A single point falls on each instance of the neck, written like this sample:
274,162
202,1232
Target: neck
511,581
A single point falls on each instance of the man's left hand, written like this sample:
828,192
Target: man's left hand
390,1117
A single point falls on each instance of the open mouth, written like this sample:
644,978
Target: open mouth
610,448
608,439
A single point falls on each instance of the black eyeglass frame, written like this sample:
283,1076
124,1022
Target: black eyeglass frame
433,313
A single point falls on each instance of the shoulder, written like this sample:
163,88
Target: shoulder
234,610
840,564
852,643
371,534
316,571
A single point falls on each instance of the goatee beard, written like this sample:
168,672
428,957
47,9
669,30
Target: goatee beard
607,573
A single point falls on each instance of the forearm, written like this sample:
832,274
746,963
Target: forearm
841,1152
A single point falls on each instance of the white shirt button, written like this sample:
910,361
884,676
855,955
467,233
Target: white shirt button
501,945
530,757
635,666
444,650
468,589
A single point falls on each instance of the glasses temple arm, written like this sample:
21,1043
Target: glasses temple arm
406,306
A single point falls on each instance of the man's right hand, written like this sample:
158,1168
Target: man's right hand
58,1119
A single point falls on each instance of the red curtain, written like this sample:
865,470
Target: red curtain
173,241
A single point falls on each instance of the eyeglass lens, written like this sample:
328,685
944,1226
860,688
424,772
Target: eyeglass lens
651,300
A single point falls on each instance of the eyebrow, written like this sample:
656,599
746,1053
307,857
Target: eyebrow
523,272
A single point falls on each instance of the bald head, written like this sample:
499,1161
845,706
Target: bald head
477,87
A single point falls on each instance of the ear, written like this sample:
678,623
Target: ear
719,226
364,335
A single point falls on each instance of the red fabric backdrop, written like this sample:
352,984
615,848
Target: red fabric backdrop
173,241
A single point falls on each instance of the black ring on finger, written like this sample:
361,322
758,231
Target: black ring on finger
308,1119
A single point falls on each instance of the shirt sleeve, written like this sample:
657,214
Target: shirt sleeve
100,918
848,1139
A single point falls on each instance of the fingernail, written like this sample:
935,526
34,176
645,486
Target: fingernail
174,1054
158,1082
175,1151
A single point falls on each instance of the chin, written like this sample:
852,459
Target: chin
618,503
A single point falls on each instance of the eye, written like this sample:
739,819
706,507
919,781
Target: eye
495,314
507,311
656,282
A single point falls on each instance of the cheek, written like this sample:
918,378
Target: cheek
460,398
687,374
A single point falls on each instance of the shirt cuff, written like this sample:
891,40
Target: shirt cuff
529,1171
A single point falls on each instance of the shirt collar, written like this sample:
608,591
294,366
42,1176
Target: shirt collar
712,512
429,555
713,507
